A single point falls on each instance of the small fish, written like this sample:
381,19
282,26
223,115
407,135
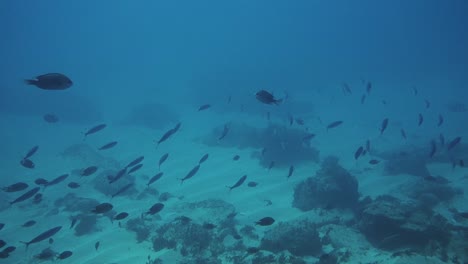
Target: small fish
428,104
267,98
162,160
461,163
433,149
94,130
363,99
204,107
166,136
102,208
203,159
383,126
191,173
2,225
441,120
308,137
88,171
154,178
441,139
403,133
299,121
65,254
121,216
118,176
209,226
291,119
229,99
31,152
334,124
236,157
27,163
73,185
16,187
2,243
368,87
266,221
108,145
74,220
135,162
358,152
51,241
252,184
122,190
26,195
453,143
368,146
29,223
51,81
271,165
45,235
374,162
238,183
291,171
96,245
156,208
57,180
225,132
50,118
415,91
41,181
420,119
135,168
346,89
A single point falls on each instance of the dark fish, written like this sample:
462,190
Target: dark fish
156,208
27,163
122,190
383,126
433,149
291,171
453,143
428,104
96,245
154,178
191,173
176,128
51,240
102,208
41,181
135,168
121,216
73,185
415,91
108,145
403,133
50,118
266,221
2,243
441,139
229,99
346,89
420,119
308,137
51,81
271,165
135,162
166,135
238,183
94,129
209,226
368,145
363,99
57,180
16,187
374,162
37,198
162,160
299,121
267,98
291,119
31,152
252,184
368,87
334,124
65,255
43,236
2,225
263,151
9,249
88,171
119,175
358,152
26,195
441,120
74,220
236,157
225,132
203,159
29,223
204,107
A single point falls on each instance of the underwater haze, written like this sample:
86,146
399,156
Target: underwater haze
233,131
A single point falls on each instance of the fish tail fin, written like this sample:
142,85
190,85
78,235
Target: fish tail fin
26,243
278,102
230,188
30,81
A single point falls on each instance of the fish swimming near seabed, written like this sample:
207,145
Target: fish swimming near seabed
43,236
238,183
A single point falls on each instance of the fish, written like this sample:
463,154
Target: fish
29,223
358,152
383,126
167,135
51,240
26,195
2,243
368,146
96,245
122,190
363,99
308,137
229,99
65,254
135,162
2,225
50,81
209,226
203,159
300,121
94,129
120,216
31,152
374,162
191,173
57,180
441,120
271,165
50,118
453,143
290,119
346,89
236,157
252,184
334,124
88,171
154,178
266,221
135,168
291,171
27,163
433,149
156,208
403,133
15,187
368,87
74,220
420,119
225,132
267,97
415,91
238,183
73,185
428,104
102,208
108,145
204,107
41,181
162,160
119,175
43,236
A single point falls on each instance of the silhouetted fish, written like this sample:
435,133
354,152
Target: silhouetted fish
88,171
433,149
420,119
29,223
368,87
121,216
403,133
73,185
26,195
50,118
2,225
441,120
168,134
65,254
291,171
271,165
225,132
428,104
238,183
102,208
267,98
453,143
236,157
252,184
383,126
31,152
94,130
358,152
135,162
96,245
57,180
43,236
334,124
368,146
108,145
363,99
51,81
346,89
122,190
162,160
16,187
154,178
204,107
191,173
415,91
203,159
135,168
266,221
156,208
27,163
41,181
374,162
119,175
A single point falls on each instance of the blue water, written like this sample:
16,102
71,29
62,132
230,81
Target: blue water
143,66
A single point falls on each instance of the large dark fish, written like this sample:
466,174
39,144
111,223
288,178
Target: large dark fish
26,195
57,180
102,208
43,236
291,171
453,143
441,120
334,124
108,145
119,175
51,81
420,119
156,208
225,132
31,152
267,98
238,183
88,171
162,160
266,221
191,173
94,130
154,178
135,168
122,190
65,254
135,162
433,149
204,107
204,158
27,163
358,152
383,126
16,187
